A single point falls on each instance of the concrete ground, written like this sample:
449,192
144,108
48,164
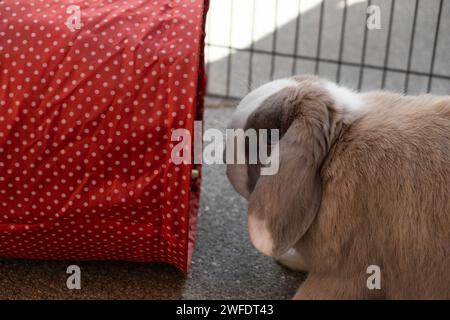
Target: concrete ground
225,265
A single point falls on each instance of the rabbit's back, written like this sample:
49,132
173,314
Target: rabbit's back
386,197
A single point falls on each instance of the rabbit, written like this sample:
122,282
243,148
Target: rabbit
363,180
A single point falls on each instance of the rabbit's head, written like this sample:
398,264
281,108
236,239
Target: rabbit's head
282,206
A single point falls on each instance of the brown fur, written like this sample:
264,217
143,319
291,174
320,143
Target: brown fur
371,192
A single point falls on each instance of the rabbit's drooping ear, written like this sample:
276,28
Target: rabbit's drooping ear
283,206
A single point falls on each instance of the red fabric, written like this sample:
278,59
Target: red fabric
85,124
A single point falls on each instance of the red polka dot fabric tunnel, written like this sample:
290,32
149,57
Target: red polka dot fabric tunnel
90,92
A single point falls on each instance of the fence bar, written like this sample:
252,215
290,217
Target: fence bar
341,43
411,48
388,45
274,43
252,47
230,48
364,49
222,96
297,38
208,51
319,38
436,38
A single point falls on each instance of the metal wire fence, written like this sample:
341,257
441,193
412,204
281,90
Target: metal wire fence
250,42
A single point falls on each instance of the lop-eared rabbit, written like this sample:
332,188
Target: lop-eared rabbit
363,180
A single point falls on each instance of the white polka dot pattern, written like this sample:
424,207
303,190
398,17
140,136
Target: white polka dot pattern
85,123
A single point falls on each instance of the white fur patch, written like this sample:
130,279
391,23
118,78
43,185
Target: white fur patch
259,235
350,102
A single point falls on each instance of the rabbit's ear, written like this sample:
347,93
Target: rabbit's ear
283,206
